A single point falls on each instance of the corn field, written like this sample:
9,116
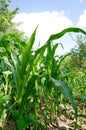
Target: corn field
31,84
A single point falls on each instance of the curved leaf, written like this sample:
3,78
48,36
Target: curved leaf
67,92
67,30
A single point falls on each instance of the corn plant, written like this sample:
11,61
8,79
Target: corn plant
35,80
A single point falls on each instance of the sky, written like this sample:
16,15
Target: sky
52,16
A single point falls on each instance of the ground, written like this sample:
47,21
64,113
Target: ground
65,120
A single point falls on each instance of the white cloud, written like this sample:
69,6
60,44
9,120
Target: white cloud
49,23
82,20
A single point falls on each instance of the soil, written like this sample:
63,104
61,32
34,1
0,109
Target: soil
65,120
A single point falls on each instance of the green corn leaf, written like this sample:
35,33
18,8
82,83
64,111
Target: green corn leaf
51,49
40,49
7,72
28,91
2,54
12,70
54,49
39,53
3,98
5,43
1,93
67,92
61,58
16,38
24,71
67,30
82,97
27,52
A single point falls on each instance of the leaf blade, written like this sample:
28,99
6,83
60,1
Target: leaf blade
67,92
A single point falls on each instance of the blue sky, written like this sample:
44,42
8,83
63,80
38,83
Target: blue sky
51,15
72,8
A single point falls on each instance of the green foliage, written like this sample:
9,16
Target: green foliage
34,77
6,17
33,81
3,98
75,65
